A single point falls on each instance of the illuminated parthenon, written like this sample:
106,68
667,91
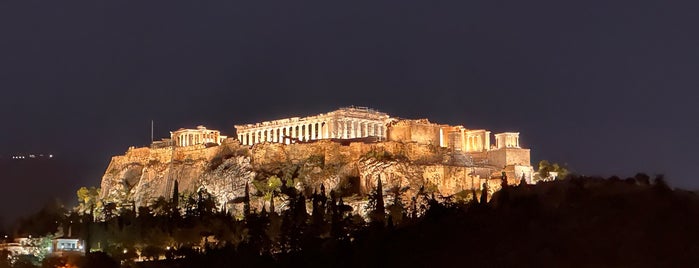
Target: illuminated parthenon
344,123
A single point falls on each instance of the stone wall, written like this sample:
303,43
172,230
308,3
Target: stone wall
420,131
507,156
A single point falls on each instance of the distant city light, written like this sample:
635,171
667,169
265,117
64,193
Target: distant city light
31,156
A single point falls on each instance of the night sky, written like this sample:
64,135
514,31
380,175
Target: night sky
607,87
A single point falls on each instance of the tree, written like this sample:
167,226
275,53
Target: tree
642,179
246,201
175,195
380,208
266,187
546,168
87,198
376,204
397,209
484,193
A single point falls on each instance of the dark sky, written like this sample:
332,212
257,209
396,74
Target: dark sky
608,87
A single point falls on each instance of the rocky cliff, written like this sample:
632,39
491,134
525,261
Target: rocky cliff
144,174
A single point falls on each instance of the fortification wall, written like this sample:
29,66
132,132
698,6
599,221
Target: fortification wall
508,156
420,131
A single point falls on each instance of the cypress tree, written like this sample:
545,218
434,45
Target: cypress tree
484,193
175,201
414,208
523,181
246,201
379,198
271,203
175,194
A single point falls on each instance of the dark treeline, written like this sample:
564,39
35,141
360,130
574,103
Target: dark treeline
580,221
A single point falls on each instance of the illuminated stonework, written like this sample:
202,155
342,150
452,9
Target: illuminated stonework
184,137
507,140
188,137
361,122
344,123
349,141
456,138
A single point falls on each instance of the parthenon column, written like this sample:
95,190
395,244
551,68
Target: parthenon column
343,129
353,129
337,130
360,129
301,133
313,131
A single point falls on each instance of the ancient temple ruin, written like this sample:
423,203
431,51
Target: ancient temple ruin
363,124
344,123
188,137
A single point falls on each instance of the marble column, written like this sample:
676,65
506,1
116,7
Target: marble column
313,131
343,130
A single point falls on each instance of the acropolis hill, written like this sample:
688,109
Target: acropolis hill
345,150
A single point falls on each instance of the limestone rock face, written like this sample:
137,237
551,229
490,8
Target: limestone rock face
145,174
227,181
